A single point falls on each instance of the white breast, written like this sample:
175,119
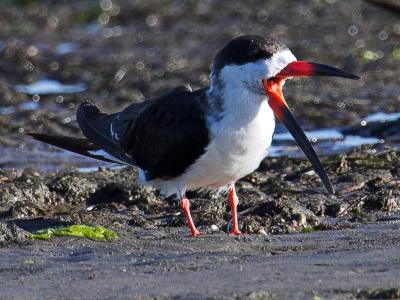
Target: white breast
236,150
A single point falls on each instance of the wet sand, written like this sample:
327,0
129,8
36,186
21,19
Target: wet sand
167,263
299,241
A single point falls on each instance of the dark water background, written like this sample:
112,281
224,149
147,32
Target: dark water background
54,54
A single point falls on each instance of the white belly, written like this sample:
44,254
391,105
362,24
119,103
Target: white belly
235,151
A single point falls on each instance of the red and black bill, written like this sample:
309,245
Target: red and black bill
306,68
273,87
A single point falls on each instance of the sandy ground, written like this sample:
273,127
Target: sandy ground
300,243
158,264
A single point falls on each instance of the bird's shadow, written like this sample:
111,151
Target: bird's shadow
32,225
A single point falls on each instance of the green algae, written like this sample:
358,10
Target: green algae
306,229
86,231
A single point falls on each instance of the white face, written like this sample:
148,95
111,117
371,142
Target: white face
250,75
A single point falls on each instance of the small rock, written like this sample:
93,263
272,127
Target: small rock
73,189
214,227
140,221
110,193
262,231
377,183
251,224
390,293
10,233
333,209
317,207
301,219
259,295
142,195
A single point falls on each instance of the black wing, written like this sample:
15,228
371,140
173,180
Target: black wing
169,134
163,136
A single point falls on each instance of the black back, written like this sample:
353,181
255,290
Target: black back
245,49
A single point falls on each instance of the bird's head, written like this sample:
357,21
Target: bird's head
261,65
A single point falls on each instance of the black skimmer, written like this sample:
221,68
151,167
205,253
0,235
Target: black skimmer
210,137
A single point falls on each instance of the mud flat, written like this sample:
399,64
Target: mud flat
166,263
299,242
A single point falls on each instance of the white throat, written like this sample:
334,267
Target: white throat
239,105
236,90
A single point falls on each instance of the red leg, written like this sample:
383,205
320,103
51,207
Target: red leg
234,201
185,205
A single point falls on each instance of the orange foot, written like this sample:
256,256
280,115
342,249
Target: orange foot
195,232
235,231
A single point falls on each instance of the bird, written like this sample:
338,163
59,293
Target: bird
211,137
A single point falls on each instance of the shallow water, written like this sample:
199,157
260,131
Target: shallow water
326,141
48,86
28,105
66,47
382,117
26,153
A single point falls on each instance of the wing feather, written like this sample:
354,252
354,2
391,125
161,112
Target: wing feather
77,145
169,134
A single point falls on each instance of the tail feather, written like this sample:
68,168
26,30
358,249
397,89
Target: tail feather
96,125
77,145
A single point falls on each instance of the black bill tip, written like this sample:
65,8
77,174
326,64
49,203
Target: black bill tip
325,70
